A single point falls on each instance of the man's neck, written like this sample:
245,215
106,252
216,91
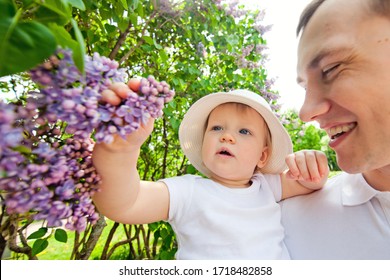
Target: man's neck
379,179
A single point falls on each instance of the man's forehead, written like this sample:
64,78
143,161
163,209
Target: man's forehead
329,30
341,10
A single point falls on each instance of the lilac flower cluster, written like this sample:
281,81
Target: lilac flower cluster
73,98
42,174
45,149
135,110
68,95
11,136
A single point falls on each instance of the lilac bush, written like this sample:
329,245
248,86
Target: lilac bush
46,146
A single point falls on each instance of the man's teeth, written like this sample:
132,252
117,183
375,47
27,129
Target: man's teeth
336,131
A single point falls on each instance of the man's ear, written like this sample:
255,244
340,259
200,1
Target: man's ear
264,158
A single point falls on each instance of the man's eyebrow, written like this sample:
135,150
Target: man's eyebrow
321,55
316,60
325,53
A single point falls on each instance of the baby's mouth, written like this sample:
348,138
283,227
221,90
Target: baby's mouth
224,152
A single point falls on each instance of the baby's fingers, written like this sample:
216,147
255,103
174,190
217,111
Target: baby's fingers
110,97
116,93
312,166
303,166
322,163
134,84
121,89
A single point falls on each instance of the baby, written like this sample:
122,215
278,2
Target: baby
234,140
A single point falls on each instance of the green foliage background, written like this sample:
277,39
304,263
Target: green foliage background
197,47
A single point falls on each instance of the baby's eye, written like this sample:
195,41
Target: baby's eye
216,128
245,131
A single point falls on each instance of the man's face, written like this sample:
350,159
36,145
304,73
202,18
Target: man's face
344,65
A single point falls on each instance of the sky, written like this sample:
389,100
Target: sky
283,15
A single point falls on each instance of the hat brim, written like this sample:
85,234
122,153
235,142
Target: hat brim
191,130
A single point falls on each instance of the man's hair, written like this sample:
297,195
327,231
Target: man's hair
379,7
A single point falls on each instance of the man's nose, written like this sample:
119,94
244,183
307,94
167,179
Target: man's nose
314,106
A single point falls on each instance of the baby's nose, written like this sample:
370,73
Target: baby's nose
227,137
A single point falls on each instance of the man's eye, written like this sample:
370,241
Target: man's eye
245,131
329,70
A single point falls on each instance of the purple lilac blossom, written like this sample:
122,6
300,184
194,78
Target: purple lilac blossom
45,153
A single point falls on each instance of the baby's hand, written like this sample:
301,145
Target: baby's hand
114,96
119,91
309,167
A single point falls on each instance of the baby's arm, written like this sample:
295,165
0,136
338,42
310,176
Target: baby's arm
308,171
122,196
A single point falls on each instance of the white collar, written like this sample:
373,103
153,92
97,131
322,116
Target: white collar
356,190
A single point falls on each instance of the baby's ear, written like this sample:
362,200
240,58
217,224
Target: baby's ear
264,158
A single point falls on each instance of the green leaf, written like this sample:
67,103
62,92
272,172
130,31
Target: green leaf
27,3
39,245
194,70
191,170
158,46
134,19
167,255
124,4
148,40
79,51
61,235
23,45
38,234
178,82
233,39
65,40
105,13
153,226
60,7
123,23
156,234
110,28
175,123
77,4
146,48
45,15
164,233
135,4
7,9
22,149
163,55
140,9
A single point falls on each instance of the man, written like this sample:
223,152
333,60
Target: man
344,65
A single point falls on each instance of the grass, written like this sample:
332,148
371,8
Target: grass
57,250
62,251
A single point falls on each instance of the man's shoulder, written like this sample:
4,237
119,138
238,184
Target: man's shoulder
329,197
330,193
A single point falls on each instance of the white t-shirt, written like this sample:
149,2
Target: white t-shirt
212,221
346,220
